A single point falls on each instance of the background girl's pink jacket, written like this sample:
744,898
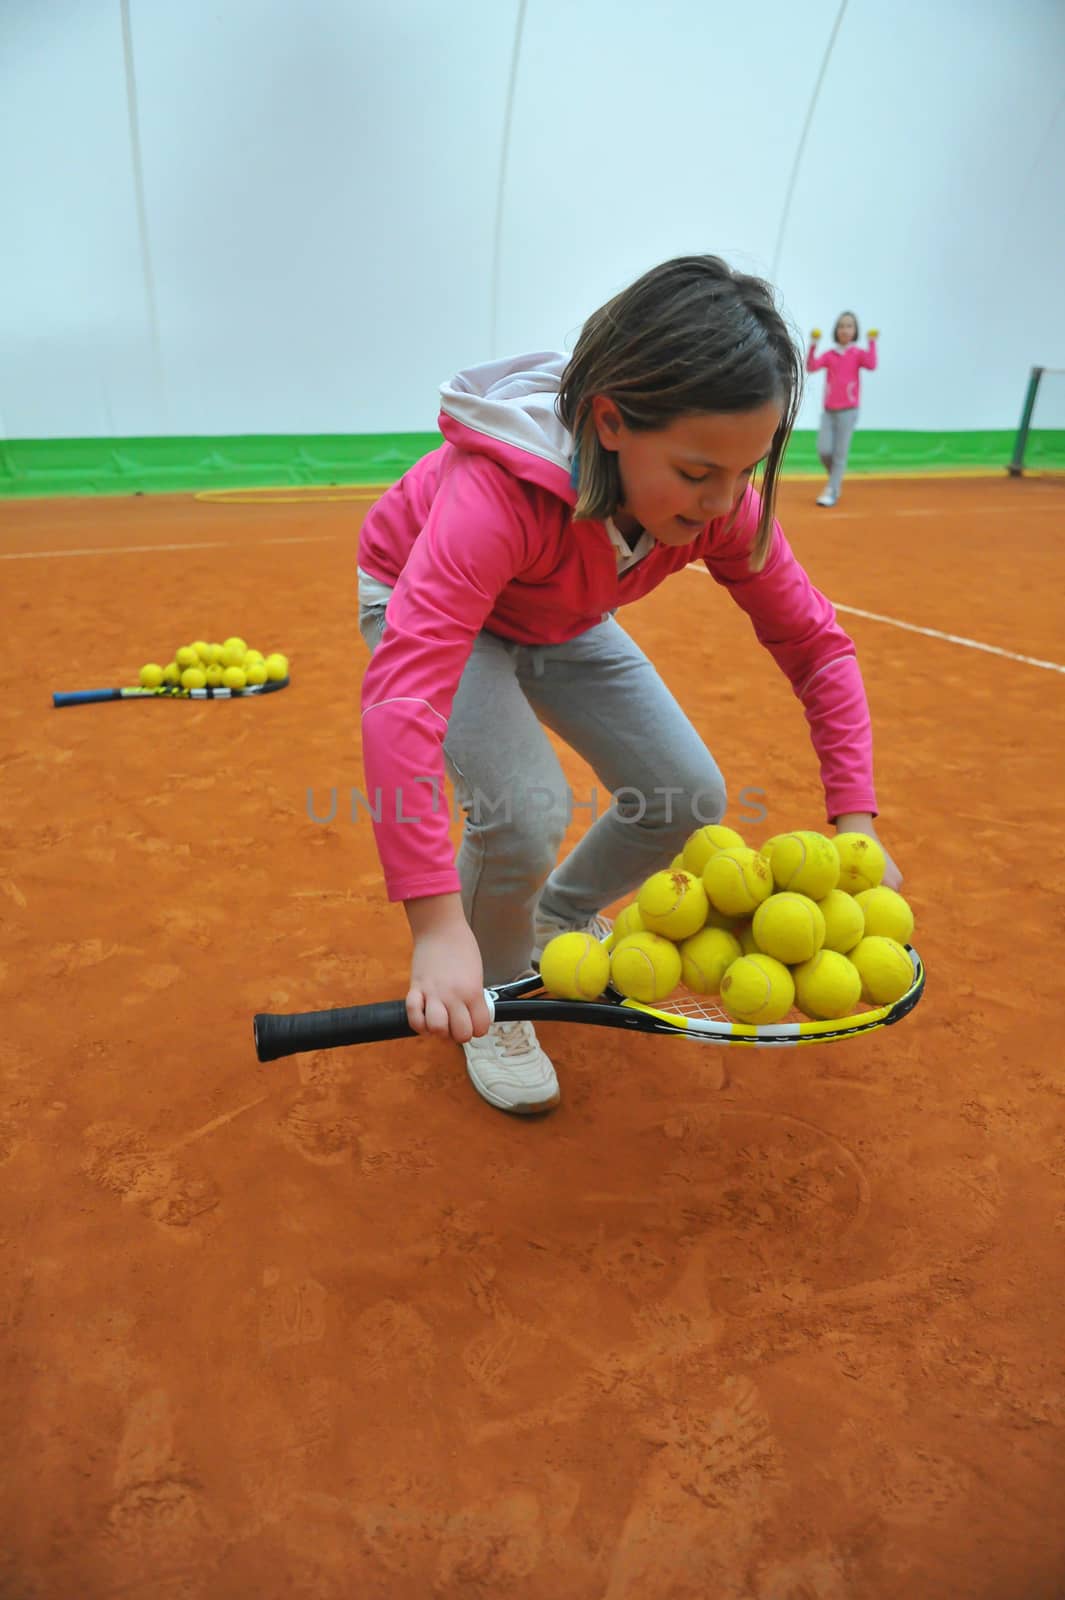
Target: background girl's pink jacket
480,534
843,363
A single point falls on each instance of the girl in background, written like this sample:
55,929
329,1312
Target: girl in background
489,576
843,364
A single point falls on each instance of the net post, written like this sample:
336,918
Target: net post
1016,466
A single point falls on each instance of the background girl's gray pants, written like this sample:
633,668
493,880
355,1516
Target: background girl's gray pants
603,697
834,443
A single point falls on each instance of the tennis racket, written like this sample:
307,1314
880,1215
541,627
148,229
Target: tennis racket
684,1016
167,691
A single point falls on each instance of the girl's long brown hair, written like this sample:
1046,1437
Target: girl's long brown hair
690,336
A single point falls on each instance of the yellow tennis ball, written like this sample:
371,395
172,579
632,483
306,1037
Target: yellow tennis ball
737,880
805,862
232,656
673,904
706,957
254,655
151,676
862,863
706,842
255,671
235,643
884,967
203,651
677,864
214,655
172,673
886,913
757,989
186,656
844,921
828,985
193,678
628,920
767,848
789,926
276,667
748,943
645,966
213,673
575,966
233,677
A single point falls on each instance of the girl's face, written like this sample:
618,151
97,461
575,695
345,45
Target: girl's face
675,480
846,330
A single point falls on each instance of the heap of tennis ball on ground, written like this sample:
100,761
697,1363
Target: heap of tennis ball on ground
804,922
232,665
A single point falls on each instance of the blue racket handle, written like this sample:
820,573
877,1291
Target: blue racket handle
84,697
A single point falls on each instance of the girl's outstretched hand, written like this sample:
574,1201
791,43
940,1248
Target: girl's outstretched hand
446,994
861,822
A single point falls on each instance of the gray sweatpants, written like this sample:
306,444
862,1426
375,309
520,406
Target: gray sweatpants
603,697
834,443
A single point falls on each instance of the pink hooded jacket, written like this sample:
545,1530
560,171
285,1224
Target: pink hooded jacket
480,534
843,363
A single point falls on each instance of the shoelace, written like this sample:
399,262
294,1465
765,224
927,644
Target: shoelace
514,1039
599,927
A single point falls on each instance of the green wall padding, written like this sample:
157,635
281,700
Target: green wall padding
895,450
38,467
171,466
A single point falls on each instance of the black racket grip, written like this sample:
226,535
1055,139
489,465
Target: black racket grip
290,1035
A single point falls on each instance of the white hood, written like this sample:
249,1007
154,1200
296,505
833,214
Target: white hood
513,400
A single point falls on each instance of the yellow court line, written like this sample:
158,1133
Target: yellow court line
291,493
902,477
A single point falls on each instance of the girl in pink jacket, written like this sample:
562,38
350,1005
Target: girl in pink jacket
489,579
843,363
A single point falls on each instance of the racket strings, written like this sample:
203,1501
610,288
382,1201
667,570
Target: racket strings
708,1008
698,1007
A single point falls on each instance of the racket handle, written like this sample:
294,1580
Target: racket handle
280,1035
85,697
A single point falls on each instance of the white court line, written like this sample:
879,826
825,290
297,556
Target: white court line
952,638
854,611
150,549
930,633
973,511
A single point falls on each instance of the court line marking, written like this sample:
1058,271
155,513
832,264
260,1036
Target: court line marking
250,498
215,1122
853,611
930,633
975,511
150,549
937,511
953,638
230,544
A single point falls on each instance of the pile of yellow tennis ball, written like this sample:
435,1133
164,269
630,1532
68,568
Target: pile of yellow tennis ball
804,921
232,665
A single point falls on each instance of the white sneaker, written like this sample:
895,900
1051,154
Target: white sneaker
828,498
508,1069
546,928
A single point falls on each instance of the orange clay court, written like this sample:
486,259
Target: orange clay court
726,1326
